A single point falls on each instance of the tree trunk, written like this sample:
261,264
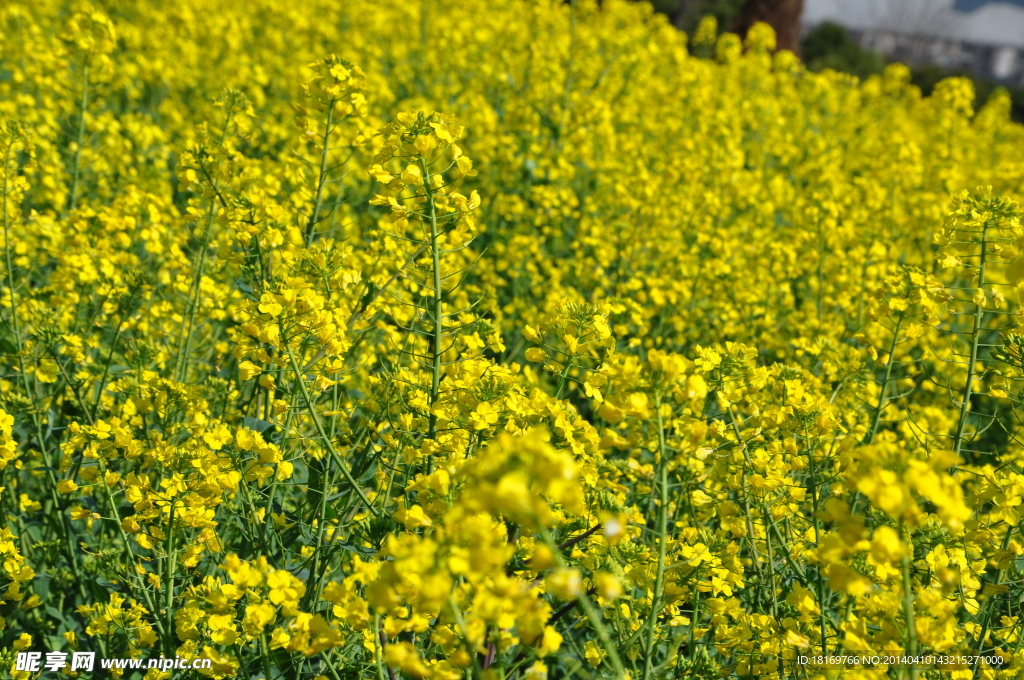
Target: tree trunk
782,15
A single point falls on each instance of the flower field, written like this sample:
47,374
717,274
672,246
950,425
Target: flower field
454,339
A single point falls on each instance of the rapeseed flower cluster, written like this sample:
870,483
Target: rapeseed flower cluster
500,340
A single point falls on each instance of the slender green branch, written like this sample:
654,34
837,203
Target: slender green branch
908,599
437,311
877,416
76,161
976,332
311,407
659,578
314,217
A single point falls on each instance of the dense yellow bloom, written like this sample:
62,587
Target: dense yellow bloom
439,339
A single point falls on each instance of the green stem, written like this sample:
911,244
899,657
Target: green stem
979,312
877,418
438,306
84,104
820,582
604,635
185,346
751,534
593,615
322,179
265,655
990,607
460,621
169,601
377,652
659,577
564,377
311,407
908,599
319,567
691,646
110,356
164,633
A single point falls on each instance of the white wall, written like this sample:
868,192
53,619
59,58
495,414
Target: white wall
993,24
